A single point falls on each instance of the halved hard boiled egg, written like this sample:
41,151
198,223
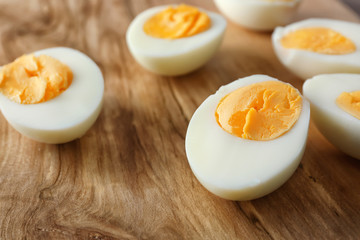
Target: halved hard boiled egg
174,40
318,46
248,138
259,14
52,96
335,109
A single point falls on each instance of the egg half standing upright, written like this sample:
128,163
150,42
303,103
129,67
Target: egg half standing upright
259,14
248,138
174,40
53,95
318,46
335,109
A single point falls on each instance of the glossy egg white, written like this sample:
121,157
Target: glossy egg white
258,14
67,116
177,56
240,169
306,64
338,126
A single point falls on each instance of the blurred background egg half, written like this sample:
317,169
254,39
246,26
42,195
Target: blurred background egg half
174,56
67,116
339,126
236,168
318,46
259,14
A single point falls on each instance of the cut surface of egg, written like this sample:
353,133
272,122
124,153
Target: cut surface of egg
318,46
335,109
259,14
34,79
174,40
58,100
235,166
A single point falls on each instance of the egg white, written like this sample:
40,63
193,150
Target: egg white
176,56
258,14
307,64
338,126
67,116
240,169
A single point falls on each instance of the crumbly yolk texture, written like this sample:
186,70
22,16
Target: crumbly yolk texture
261,111
177,22
350,103
319,40
30,79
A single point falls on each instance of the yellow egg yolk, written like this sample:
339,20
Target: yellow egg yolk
350,103
179,22
261,111
30,79
319,40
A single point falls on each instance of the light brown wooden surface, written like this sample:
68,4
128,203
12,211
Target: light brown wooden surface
128,177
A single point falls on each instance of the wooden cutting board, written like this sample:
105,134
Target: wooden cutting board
128,177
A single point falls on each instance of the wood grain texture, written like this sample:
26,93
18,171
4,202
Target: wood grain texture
128,177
